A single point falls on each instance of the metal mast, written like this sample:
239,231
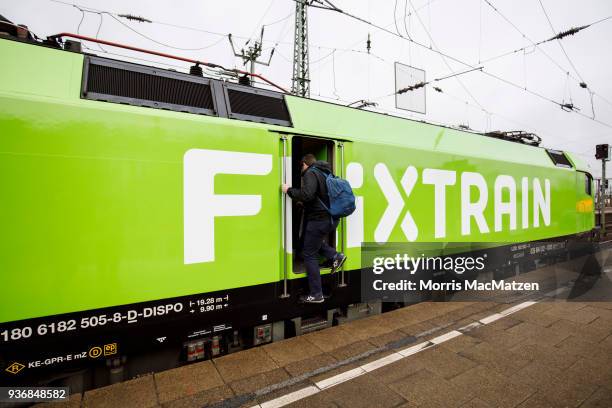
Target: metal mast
301,76
251,54
301,65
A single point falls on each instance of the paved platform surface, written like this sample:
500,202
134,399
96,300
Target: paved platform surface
544,354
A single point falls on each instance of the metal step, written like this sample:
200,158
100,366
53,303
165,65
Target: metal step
313,324
310,324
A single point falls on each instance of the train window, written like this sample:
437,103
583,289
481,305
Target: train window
559,158
588,183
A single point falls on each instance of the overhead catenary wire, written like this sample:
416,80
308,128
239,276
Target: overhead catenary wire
334,50
101,15
415,11
84,10
334,76
405,38
179,26
283,56
280,20
262,18
215,33
355,17
395,18
494,76
537,46
177,66
82,18
388,25
425,83
559,42
582,83
455,59
283,29
224,35
533,43
132,17
161,43
435,47
406,17
383,29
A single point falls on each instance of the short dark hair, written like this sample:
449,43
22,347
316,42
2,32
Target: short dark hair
309,159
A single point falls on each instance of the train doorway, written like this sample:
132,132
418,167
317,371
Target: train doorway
322,149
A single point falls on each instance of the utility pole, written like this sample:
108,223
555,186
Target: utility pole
252,53
300,84
603,152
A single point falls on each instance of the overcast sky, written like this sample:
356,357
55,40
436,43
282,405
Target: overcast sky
469,30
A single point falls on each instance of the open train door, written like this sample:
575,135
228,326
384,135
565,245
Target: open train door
293,147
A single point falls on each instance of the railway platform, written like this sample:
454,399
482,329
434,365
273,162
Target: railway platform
545,352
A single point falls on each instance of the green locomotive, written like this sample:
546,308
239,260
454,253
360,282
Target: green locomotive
141,208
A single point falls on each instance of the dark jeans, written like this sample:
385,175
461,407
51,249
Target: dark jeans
316,231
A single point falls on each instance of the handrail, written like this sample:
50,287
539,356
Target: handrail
284,217
162,54
342,220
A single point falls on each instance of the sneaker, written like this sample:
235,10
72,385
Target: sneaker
339,260
312,299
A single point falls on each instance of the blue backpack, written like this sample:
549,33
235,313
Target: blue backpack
341,197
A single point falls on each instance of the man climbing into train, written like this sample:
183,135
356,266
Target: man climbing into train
313,193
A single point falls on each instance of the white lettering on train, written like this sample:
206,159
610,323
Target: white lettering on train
201,205
474,193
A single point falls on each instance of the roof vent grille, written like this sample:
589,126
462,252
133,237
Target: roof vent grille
257,105
132,84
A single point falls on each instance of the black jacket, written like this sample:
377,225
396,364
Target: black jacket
313,188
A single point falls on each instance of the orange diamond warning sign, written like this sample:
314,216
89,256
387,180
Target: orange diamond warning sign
14,368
